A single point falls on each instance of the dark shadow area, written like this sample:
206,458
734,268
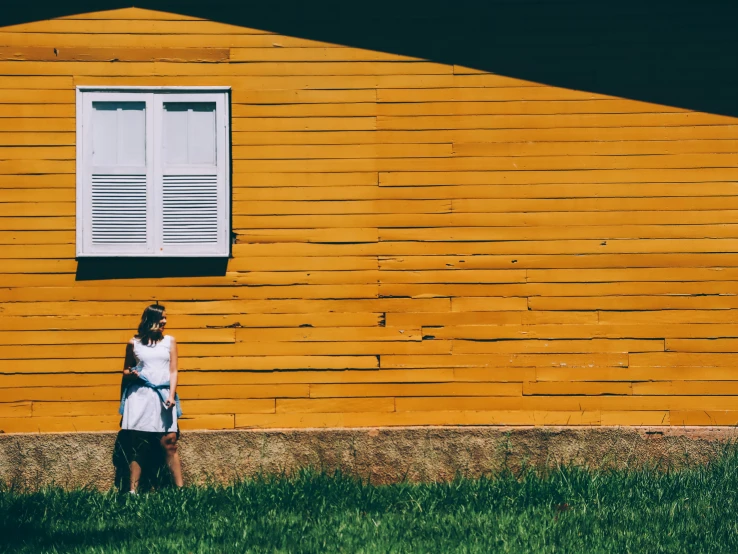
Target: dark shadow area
680,53
90,269
154,471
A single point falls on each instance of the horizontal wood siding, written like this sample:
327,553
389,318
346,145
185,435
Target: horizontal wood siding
416,243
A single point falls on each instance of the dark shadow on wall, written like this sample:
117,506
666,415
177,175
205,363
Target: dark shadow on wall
154,471
680,53
91,269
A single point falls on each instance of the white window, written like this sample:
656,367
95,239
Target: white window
153,169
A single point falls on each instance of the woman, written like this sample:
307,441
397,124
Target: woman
149,403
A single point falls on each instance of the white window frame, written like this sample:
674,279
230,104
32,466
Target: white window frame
154,98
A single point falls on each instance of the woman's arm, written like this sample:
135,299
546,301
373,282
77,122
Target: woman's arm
130,362
173,361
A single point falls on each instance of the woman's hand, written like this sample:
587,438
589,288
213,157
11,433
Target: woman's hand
130,373
129,366
169,402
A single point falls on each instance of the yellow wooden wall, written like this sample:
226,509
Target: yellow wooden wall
417,243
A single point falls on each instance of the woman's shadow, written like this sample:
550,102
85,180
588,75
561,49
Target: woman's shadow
154,471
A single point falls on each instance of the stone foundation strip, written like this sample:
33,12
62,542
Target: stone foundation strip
382,455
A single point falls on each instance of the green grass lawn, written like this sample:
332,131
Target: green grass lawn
567,510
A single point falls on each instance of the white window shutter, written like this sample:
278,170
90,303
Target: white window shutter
191,175
115,174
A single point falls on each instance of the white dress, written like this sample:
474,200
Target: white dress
143,409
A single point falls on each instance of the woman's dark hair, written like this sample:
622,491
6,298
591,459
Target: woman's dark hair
148,329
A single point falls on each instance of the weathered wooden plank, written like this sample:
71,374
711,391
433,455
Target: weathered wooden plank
601,148
34,153
45,82
310,263
415,389
110,336
633,303
567,388
35,96
195,39
522,107
230,391
358,151
36,139
631,274
132,14
75,408
31,266
667,317
267,207
546,121
207,421
287,306
94,54
463,164
303,179
35,125
479,220
137,26
686,388
239,349
335,405
638,418
246,194
503,136
631,374
113,364
488,304
510,360
566,403
11,408
255,97
589,204
497,319
558,233
717,343
373,419
40,181
683,359
261,55
328,236
193,378
563,190
277,69
141,294
242,193
704,417
594,346
487,94
428,178
240,406
328,334
584,332
359,109
179,322
592,261
59,424
173,76
256,360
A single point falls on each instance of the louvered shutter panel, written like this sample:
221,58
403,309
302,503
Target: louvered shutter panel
115,178
191,175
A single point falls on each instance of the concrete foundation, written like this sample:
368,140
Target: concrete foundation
382,455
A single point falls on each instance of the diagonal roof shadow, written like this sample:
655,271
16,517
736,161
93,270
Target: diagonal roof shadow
680,53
